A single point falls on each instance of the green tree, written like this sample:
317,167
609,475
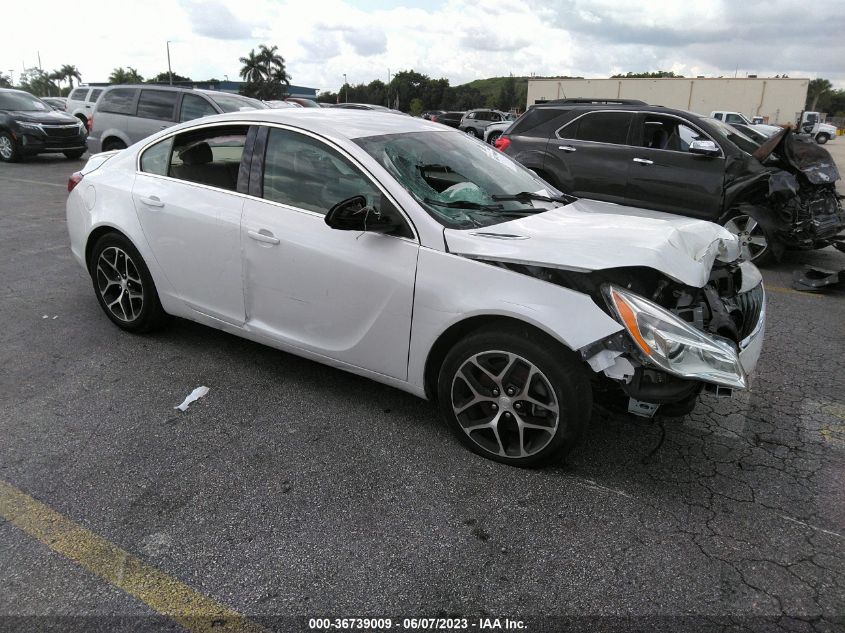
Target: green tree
128,75
265,73
37,82
660,74
164,77
5,81
507,94
416,106
817,90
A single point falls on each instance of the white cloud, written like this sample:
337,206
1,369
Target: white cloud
457,39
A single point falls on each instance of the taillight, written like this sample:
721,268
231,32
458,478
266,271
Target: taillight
434,118
75,179
502,143
90,122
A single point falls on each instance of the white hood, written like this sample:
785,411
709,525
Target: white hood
588,235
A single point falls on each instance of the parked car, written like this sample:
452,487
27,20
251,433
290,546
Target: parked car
366,106
81,101
475,122
305,103
28,126
493,131
732,118
403,251
452,119
57,103
679,162
430,113
126,114
278,104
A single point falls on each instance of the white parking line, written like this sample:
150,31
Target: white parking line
34,182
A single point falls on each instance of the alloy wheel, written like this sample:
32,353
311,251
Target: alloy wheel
752,240
119,284
505,404
6,149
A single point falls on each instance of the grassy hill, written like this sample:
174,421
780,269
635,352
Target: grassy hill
492,86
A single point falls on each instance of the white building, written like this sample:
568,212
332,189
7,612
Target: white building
777,100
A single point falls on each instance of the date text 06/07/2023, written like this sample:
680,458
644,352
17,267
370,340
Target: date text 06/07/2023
417,624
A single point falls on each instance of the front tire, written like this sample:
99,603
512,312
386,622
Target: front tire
124,286
514,395
8,148
821,139
471,131
755,245
493,137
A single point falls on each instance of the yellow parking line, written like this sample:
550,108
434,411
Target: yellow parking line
792,291
164,594
34,182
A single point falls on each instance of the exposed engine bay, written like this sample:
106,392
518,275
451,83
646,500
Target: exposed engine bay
800,206
729,307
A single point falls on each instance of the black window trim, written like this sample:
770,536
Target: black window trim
634,119
249,152
185,93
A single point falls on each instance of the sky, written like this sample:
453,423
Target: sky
460,40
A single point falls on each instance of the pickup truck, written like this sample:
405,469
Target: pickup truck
811,123
735,117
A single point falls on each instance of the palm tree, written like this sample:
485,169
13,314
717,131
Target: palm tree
70,73
133,75
273,62
252,69
58,76
118,76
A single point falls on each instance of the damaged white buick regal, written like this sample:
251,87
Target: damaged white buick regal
407,252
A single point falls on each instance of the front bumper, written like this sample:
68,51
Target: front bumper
31,142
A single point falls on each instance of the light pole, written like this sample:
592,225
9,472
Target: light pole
388,87
169,72
346,90
12,76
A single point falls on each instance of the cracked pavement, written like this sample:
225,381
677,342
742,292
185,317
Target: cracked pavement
293,489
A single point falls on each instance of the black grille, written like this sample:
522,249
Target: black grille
61,131
751,305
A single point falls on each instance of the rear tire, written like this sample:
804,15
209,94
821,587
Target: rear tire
471,131
822,138
113,144
493,137
8,148
514,395
123,285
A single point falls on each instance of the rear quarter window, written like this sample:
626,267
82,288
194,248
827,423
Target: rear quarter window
118,101
78,94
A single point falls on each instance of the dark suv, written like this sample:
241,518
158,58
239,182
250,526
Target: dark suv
777,195
28,126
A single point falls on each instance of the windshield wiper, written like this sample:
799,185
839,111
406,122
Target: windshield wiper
527,196
464,205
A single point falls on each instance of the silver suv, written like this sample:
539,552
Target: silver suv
81,100
126,114
475,122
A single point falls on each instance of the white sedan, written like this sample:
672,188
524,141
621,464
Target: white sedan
407,252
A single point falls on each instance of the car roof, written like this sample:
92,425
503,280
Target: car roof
337,122
627,107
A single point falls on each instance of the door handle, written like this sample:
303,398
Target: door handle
644,161
263,236
152,201
566,148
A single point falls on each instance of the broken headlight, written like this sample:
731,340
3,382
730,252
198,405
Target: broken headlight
673,344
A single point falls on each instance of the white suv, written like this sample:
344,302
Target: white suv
81,100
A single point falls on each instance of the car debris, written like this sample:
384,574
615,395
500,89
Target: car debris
813,279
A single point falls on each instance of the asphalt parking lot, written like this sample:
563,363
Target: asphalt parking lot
295,491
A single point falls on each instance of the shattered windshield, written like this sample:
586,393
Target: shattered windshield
729,133
461,182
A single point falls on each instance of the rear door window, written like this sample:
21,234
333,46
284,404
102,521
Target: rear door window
157,104
119,101
210,156
601,127
194,107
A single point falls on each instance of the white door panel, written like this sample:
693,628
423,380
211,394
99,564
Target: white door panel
343,294
194,233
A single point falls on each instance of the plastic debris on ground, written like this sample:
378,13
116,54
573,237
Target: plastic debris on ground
195,395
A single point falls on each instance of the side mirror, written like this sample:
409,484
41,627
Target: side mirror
353,214
704,148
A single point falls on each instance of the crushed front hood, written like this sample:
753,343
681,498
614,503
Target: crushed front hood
801,154
588,235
